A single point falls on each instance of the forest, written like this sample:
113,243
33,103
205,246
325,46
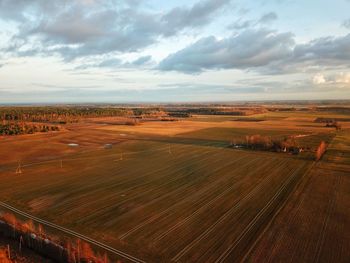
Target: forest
17,128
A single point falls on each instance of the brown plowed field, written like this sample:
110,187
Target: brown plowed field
165,195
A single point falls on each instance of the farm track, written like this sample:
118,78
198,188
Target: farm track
102,210
302,185
330,211
245,199
196,212
184,192
193,227
255,223
74,234
188,198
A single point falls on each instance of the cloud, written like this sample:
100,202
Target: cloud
238,25
327,50
245,24
114,63
79,28
318,79
249,49
142,60
346,24
262,50
341,78
20,10
198,15
74,27
268,17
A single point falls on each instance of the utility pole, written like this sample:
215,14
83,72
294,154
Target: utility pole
19,170
169,150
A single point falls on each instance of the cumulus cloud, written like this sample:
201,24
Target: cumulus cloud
268,17
346,24
93,27
328,48
260,49
318,79
238,25
249,49
20,10
199,14
341,78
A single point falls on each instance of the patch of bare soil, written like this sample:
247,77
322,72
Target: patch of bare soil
43,202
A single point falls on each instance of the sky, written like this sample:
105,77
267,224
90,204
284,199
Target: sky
117,51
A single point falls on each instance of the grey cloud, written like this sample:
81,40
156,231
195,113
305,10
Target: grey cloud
142,60
249,49
267,18
73,30
346,24
75,27
19,10
110,63
325,49
198,15
118,63
240,25
261,50
245,24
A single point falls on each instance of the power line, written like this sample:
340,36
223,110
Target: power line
73,233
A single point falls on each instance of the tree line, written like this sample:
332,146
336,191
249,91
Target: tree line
67,114
260,142
17,128
286,144
57,114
